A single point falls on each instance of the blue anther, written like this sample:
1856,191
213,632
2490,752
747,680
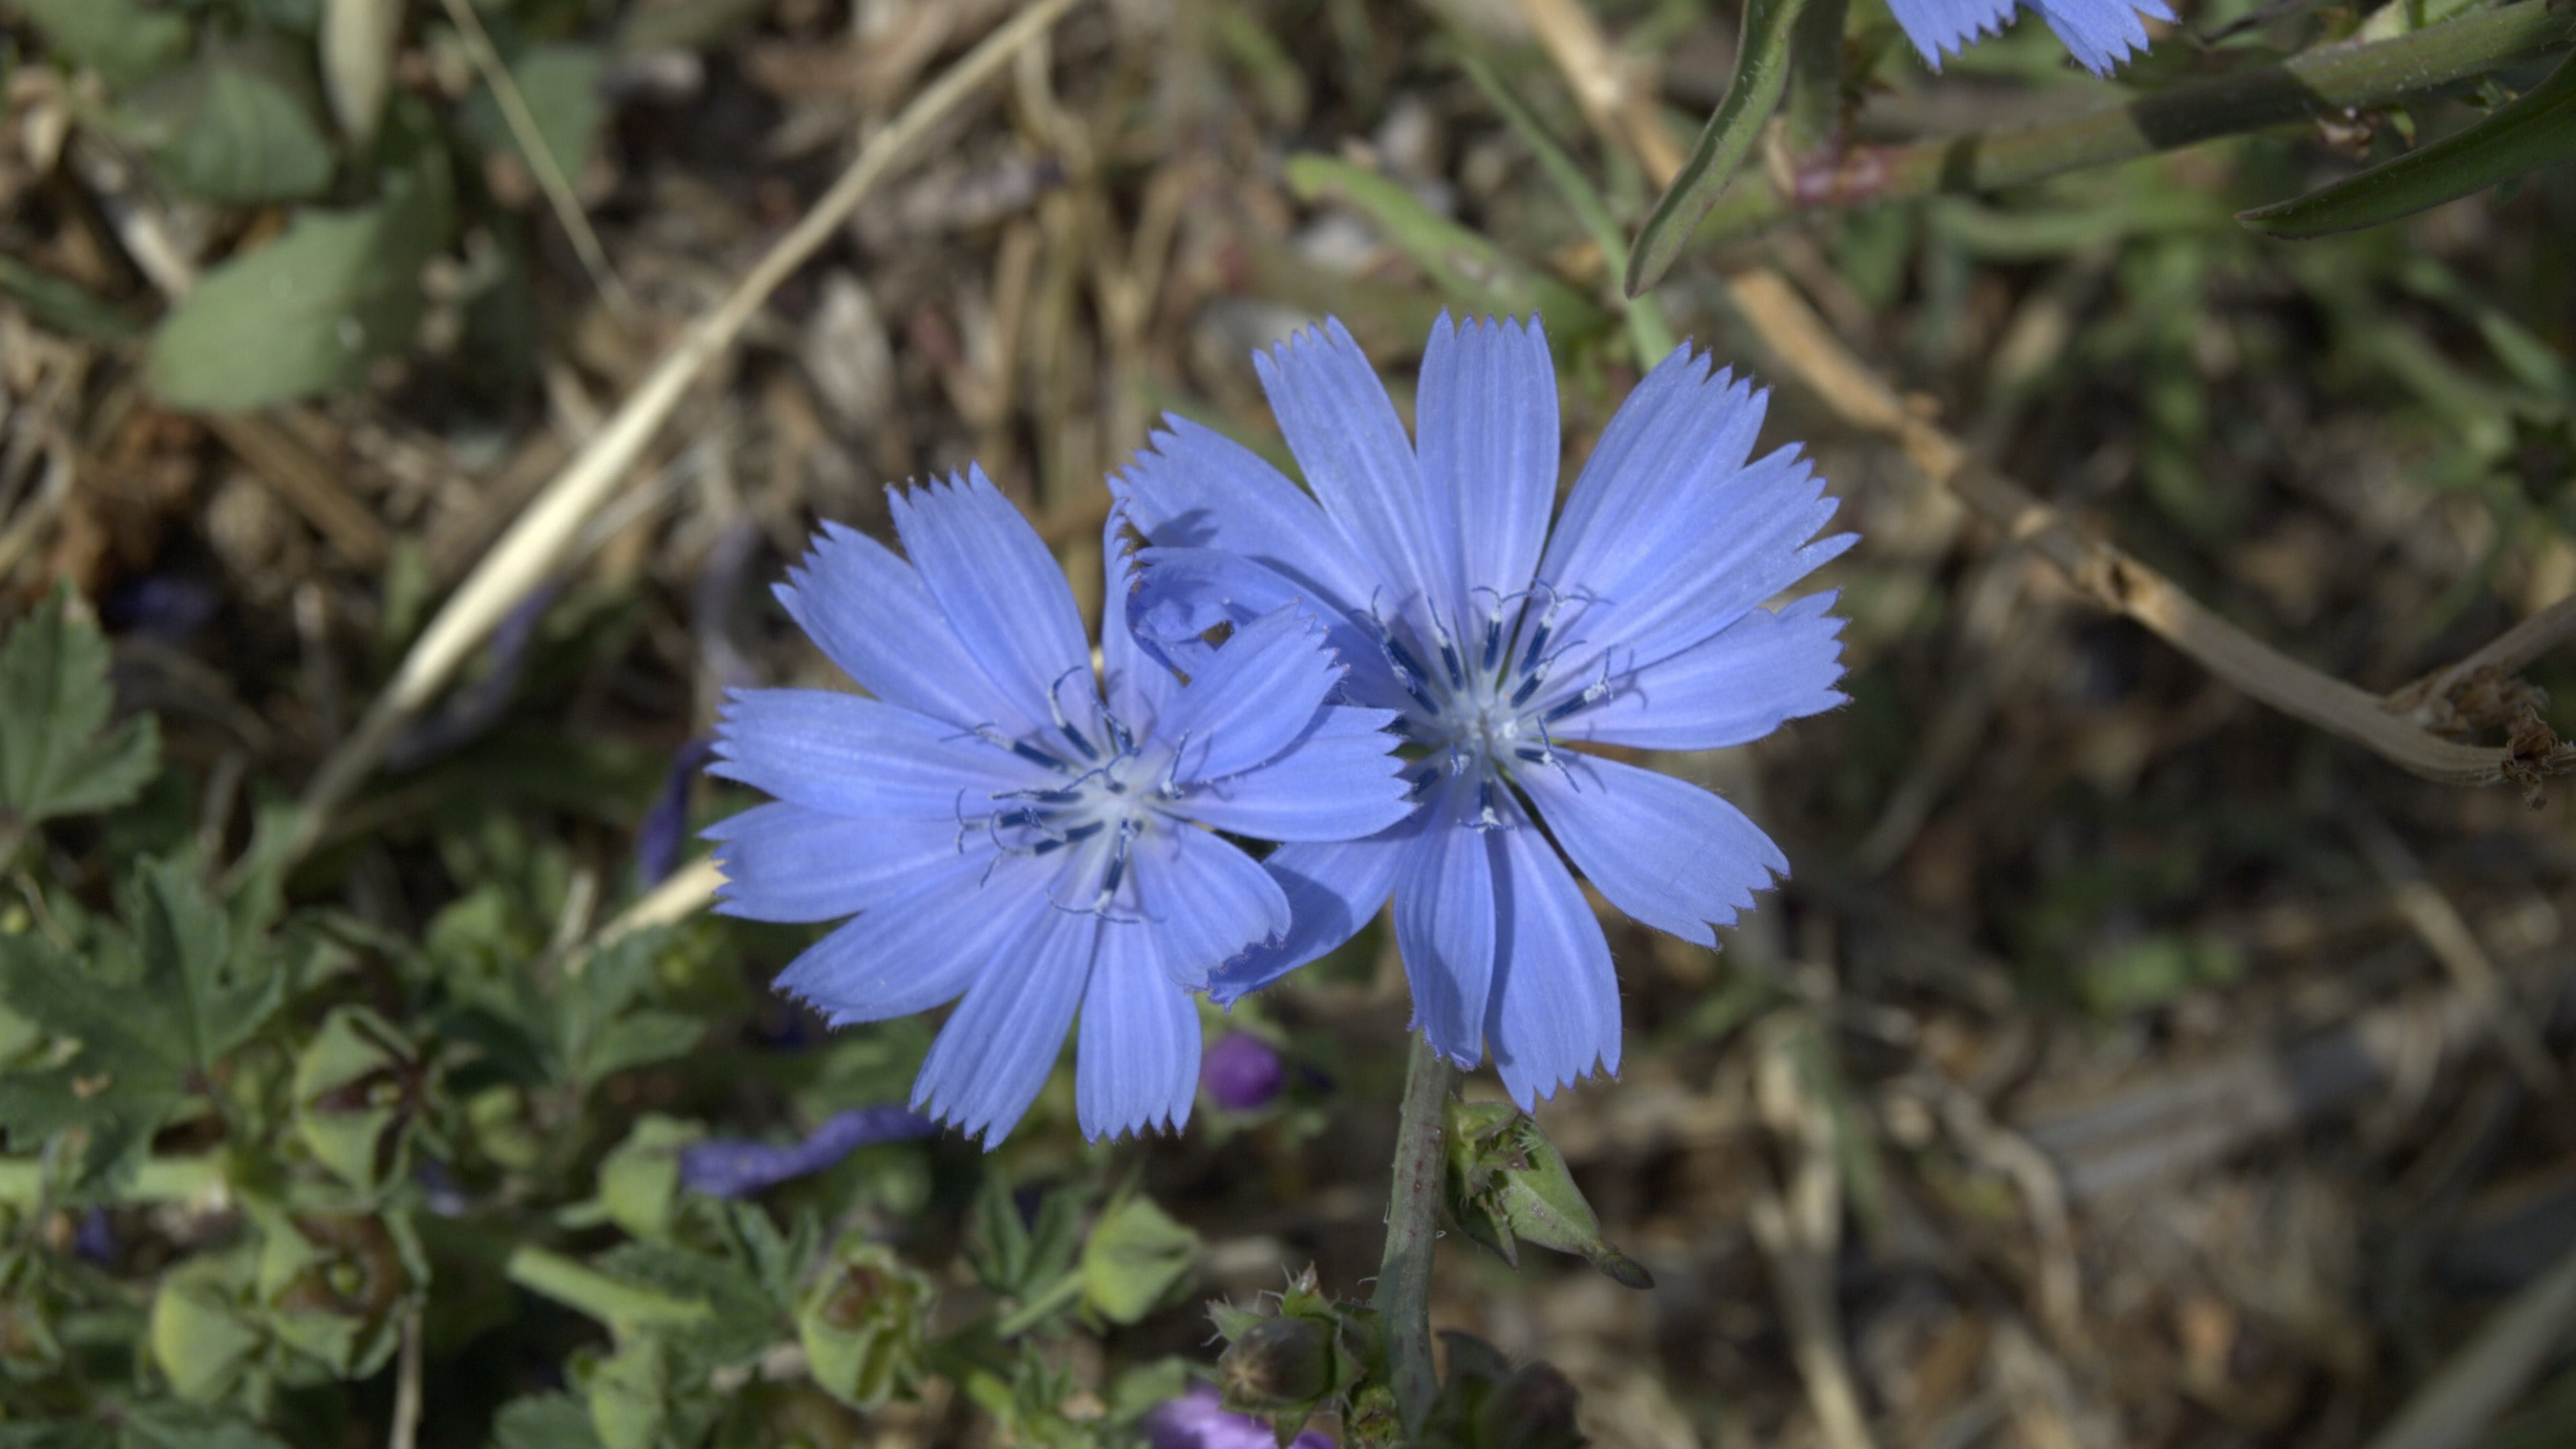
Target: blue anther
1449,656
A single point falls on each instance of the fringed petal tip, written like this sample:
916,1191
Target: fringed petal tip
2101,34
1526,1095
1942,28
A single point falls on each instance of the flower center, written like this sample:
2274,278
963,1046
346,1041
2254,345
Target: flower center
1110,790
1484,703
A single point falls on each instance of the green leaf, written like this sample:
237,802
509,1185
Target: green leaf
144,1044
1136,1259
544,1421
606,1025
308,312
742,1318
1650,337
64,306
240,125
1475,273
123,40
1761,72
2534,129
560,83
167,1424
56,755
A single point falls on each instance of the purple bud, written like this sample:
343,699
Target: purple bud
1198,1420
160,606
738,1169
657,841
1241,1073
95,1239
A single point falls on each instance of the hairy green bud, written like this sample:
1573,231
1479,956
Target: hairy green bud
1506,1184
1278,1363
1306,1358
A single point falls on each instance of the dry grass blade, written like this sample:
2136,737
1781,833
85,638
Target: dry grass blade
307,484
684,893
541,157
1617,109
2452,1410
541,535
1798,1224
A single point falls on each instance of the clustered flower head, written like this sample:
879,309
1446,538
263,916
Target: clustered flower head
2098,33
1385,687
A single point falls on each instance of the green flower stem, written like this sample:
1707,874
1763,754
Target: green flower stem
1054,1296
1816,73
2325,81
624,1307
1403,1297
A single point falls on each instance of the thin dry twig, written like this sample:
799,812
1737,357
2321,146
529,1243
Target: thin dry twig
1614,98
539,537
2111,576
2439,925
682,894
1798,1224
2435,702
308,485
541,157
2452,1410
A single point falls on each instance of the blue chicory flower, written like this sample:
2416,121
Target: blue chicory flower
1005,827
1635,622
728,1167
2099,33
1198,1420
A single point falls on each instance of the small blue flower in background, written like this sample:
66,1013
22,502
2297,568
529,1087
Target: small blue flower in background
1635,622
1198,1420
731,1168
1005,829
658,839
2099,33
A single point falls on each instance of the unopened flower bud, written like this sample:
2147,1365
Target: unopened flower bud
1486,1403
1506,1182
1535,1410
1241,1072
1278,1363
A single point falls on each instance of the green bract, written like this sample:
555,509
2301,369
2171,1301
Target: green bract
861,1323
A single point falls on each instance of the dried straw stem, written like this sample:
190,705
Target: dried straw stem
537,541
